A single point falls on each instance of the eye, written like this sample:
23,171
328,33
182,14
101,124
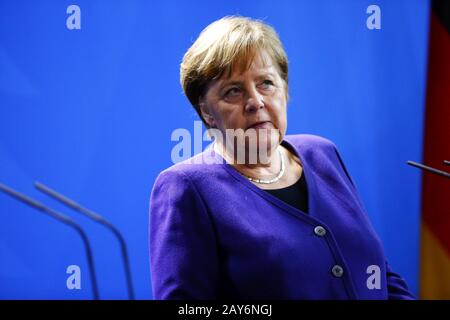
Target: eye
267,84
232,92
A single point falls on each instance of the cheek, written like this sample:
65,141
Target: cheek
279,110
228,116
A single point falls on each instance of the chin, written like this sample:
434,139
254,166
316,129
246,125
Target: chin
265,143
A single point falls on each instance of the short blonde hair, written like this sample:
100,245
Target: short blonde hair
225,43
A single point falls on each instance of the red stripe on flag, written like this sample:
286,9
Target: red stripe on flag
436,189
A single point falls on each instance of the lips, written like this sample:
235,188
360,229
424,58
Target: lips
260,125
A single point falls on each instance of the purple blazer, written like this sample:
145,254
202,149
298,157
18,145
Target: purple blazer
215,235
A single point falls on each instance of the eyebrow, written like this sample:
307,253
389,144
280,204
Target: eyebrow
260,76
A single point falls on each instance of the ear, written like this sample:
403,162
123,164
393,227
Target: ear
205,112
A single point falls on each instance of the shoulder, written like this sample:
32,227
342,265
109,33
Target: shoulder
187,185
321,153
190,172
311,144
318,151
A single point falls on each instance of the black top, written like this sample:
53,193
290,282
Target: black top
296,195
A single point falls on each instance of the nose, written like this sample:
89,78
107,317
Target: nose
254,101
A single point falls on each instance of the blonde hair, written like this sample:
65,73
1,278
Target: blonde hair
226,43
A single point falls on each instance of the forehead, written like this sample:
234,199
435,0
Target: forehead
257,65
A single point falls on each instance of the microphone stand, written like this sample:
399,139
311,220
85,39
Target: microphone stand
99,219
64,219
431,169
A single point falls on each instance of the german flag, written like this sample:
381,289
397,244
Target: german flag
435,226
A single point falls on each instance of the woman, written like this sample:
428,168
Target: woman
289,225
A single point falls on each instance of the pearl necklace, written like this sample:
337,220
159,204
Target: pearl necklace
273,180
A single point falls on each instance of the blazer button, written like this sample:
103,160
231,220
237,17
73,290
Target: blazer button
320,231
337,271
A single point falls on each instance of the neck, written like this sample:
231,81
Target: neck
266,169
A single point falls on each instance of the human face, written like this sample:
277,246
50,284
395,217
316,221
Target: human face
251,100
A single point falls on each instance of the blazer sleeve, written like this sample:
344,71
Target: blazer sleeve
397,287
183,254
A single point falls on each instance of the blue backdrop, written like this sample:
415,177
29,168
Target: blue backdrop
90,113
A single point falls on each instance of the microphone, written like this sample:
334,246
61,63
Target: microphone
99,219
430,169
64,219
